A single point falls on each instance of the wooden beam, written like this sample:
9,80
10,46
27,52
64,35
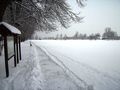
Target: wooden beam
17,49
6,56
14,52
20,48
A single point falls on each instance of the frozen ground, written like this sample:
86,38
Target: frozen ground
26,76
55,77
64,65
92,63
36,71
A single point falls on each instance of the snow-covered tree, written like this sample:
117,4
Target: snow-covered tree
46,15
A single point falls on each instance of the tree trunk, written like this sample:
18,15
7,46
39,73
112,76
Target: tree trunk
3,5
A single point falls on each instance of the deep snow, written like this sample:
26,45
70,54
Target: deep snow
55,77
95,63
26,76
36,71
64,65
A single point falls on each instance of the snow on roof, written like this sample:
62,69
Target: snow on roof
11,28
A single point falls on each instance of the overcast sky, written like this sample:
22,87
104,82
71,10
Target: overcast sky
97,14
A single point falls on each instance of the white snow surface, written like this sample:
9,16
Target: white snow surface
26,76
95,64
36,71
11,28
64,65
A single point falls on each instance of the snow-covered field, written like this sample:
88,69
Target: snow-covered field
36,71
92,63
64,65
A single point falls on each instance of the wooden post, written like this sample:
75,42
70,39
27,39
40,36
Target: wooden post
17,49
20,47
6,56
14,52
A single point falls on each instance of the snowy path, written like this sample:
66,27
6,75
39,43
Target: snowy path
36,71
104,78
27,75
88,75
54,75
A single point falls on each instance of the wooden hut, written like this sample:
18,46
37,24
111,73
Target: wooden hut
11,43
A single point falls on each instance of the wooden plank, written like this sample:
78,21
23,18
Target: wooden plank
10,57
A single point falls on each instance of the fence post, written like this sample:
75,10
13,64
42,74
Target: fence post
20,47
14,52
17,49
6,56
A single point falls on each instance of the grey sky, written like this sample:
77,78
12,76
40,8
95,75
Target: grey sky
97,14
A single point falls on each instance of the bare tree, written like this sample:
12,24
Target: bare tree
76,36
65,37
109,34
61,36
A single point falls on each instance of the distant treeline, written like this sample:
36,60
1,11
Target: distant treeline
108,34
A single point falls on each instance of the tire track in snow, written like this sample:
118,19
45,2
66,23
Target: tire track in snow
67,70
80,88
108,79
91,68
56,75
